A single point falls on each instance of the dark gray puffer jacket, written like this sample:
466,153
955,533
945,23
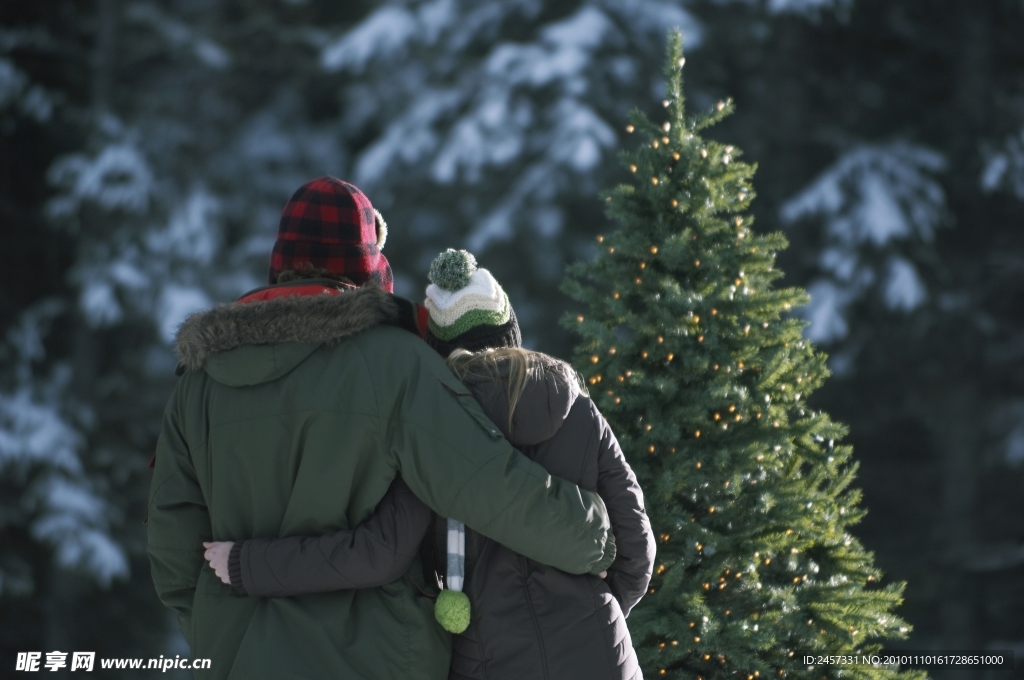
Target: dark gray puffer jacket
533,621
528,620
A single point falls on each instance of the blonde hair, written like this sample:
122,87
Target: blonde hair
520,361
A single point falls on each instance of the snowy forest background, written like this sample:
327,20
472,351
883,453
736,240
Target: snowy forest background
148,146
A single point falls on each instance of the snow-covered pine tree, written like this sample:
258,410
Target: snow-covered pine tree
486,124
694,358
172,145
59,527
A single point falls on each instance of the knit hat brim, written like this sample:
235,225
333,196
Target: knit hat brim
359,263
471,310
479,337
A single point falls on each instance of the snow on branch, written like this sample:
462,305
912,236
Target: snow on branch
1004,169
876,202
179,34
40,454
513,108
386,31
875,193
647,19
807,7
118,177
17,91
73,519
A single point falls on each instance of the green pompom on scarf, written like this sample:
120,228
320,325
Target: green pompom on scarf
452,611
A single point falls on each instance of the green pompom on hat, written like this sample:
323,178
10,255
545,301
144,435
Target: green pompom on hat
468,309
452,269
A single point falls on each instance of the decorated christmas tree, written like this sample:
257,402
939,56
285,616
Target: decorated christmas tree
692,355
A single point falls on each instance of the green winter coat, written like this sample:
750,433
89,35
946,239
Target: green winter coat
293,418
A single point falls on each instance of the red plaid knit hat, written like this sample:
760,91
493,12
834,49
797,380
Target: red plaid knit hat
331,224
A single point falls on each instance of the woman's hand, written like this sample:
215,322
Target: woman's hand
216,554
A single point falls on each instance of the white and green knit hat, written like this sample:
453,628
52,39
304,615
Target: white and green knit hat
468,309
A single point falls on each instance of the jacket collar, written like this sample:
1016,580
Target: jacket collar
310,311
297,288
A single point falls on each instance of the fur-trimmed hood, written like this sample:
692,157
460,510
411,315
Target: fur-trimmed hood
312,319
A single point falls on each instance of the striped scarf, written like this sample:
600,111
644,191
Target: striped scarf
456,555
452,608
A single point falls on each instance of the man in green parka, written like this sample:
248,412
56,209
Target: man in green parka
298,406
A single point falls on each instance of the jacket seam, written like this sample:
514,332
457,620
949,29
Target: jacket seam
533,616
248,625
330,564
410,604
169,477
366,366
595,430
264,416
458,493
447,442
604,629
499,513
172,547
281,587
478,540
485,423
376,400
392,550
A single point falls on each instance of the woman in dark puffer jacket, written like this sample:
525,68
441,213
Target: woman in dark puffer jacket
527,620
